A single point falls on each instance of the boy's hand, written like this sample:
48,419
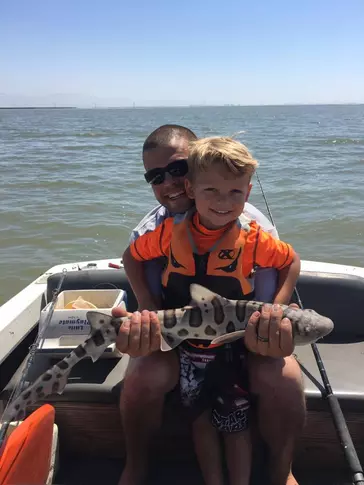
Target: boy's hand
275,333
141,335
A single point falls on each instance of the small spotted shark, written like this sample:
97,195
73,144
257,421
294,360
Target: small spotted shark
208,317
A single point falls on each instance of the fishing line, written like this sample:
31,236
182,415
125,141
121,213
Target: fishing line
38,343
337,414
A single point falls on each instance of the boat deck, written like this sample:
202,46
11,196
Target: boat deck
90,427
90,432
108,471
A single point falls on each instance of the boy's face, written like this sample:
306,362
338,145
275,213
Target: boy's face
219,196
171,192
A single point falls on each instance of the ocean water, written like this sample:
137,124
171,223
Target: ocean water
72,185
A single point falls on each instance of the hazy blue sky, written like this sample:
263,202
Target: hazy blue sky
113,52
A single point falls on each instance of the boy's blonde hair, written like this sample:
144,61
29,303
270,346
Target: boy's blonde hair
224,152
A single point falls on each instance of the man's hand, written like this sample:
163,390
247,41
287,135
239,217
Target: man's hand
139,336
268,334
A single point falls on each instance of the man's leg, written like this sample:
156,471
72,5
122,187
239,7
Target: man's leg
281,410
207,448
238,451
146,384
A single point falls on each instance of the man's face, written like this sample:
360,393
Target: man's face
171,192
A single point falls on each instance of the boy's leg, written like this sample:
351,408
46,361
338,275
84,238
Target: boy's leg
238,451
195,387
207,447
281,410
231,412
146,384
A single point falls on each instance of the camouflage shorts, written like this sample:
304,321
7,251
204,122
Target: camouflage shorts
210,381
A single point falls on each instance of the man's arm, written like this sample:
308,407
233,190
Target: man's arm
152,268
149,246
135,272
149,222
141,335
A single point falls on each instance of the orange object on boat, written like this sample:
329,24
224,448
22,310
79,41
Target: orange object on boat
26,454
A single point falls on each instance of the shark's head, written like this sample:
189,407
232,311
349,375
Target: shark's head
104,330
312,327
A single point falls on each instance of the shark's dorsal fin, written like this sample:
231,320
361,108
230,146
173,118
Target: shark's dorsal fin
200,294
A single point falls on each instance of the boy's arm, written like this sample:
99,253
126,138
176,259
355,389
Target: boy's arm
274,253
267,333
149,246
287,279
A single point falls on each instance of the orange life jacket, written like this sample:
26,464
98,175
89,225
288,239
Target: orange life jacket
220,269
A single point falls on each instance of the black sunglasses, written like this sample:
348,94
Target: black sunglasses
156,176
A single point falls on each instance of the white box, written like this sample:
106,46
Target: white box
69,327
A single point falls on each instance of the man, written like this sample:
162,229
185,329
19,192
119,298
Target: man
274,374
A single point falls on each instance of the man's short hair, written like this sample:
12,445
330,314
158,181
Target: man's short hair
162,136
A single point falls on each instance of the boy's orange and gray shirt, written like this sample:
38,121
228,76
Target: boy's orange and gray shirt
265,279
261,248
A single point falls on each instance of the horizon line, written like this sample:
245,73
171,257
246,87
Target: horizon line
225,105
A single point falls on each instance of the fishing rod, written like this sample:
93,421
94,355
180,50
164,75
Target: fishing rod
18,389
341,427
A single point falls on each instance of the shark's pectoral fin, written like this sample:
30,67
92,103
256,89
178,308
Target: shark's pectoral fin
102,335
170,341
97,351
228,337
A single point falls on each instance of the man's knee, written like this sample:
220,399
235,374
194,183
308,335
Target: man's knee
278,377
151,377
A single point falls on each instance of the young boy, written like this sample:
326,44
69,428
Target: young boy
212,246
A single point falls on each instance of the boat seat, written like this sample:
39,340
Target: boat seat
337,296
344,365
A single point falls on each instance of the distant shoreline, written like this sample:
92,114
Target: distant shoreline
38,107
182,106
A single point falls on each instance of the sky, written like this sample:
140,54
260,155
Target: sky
152,53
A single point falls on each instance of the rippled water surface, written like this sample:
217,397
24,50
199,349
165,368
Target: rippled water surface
72,184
